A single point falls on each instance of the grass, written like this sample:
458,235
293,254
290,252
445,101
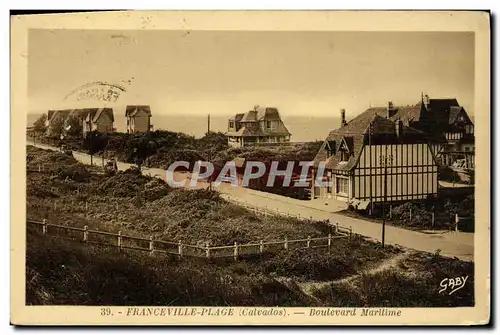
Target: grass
60,272
415,283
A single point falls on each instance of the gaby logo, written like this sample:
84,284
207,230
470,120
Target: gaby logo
203,170
454,284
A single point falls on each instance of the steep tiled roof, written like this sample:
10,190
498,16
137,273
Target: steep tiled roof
355,134
95,113
237,117
52,114
80,113
261,113
454,112
131,110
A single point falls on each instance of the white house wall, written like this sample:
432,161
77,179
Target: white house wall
411,175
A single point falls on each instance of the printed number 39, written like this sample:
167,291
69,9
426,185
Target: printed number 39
105,311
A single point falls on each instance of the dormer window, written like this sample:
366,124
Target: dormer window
344,150
330,148
344,156
231,124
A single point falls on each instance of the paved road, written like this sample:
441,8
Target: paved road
452,244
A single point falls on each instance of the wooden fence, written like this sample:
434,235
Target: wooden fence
122,241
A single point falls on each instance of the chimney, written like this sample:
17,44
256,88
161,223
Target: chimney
399,127
390,109
342,117
426,100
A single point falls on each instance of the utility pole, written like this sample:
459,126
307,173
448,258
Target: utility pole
209,153
384,201
209,160
384,160
371,183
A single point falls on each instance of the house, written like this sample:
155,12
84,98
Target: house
262,125
98,119
55,121
138,119
447,124
75,116
358,156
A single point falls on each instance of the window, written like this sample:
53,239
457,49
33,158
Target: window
343,186
231,124
268,124
344,156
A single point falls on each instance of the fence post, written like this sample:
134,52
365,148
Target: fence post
337,228
456,222
44,226
151,244
261,246
390,212
85,234
308,241
433,219
329,240
179,249
350,232
120,239
286,243
410,214
207,249
55,204
86,206
39,168
265,210
235,250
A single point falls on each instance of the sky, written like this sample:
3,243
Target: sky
223,73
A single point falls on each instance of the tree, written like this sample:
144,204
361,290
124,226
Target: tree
73,126
57,126
40,124
94,142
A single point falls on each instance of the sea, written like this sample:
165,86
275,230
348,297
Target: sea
302,128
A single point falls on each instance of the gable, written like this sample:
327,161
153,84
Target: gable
343,145
141,113
330,147
463,117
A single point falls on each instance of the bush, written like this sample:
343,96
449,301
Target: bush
446,173
76,172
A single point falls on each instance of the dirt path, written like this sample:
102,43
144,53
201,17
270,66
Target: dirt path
308,288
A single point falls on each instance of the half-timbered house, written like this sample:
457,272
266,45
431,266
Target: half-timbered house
365,152
448,127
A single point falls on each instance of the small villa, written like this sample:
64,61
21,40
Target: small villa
99,119
262,125
138,119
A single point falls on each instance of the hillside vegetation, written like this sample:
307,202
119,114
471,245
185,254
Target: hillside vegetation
67,272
